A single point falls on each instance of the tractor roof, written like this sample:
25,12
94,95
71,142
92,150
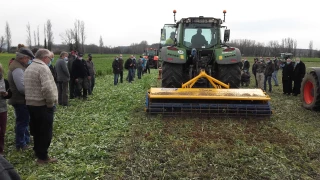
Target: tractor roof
201,19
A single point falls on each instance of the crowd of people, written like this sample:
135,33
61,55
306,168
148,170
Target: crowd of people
34,88
133,66
266,69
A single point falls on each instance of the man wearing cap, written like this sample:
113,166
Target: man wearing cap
92,72
41,96
16,82
81,76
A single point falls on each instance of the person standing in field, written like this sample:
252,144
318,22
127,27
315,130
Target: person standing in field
261,67
268,74
287,74
5,93
52,68
298,73
71,59
121,68
254,70
134,64
139,67
275,72
81,75
17,86
144,62
63,78
92,72
129,66
116,70
41,95
147,68
246,64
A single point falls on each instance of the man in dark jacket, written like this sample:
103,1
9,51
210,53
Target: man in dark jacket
72,57
81,75
129,64
254,70
287,73
298,73
116,70
121,68
275,72
268,74
246,64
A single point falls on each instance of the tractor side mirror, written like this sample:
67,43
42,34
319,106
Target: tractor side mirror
226,35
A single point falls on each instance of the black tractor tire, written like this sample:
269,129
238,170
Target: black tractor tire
310,90
230,73
172,76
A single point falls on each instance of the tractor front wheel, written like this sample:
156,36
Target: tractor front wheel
230,73
171,75
310,91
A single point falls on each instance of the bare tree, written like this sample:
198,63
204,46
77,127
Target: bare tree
1,43
38,36
295,44
29,42
76,34
49,34
101,44
45,37
82,35
67,38
8,36
35,38
310,48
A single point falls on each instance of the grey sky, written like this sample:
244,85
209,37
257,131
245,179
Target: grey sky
123,22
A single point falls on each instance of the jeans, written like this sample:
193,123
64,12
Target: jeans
130,75
22,123
267,78
115,79
91,84
275,77
42,123
133,73
139,73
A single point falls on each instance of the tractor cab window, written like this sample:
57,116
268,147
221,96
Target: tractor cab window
200,37
168,35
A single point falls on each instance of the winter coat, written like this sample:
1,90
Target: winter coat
80,69
276,64
261,67
116,66
254,68
299,71
245,77
287,72
63,74
269,69
121,64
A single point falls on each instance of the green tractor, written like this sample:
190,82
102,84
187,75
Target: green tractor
197,44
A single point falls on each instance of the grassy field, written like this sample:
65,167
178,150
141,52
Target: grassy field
110,137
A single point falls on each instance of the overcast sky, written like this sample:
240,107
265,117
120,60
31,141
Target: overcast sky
123,22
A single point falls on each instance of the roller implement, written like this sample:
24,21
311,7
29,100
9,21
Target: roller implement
201,74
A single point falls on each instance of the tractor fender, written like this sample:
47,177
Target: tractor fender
316,70
173,54
228,55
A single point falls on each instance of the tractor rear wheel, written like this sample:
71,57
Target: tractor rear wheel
230,73
171,75
310,91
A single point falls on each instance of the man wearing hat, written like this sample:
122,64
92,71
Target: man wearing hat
81,76
16,82
92,73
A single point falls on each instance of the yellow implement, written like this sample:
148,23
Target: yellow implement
216,101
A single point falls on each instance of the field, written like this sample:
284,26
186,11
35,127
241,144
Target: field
110,137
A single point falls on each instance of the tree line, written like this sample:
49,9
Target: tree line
74,39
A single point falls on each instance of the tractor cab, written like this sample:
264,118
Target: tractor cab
286,56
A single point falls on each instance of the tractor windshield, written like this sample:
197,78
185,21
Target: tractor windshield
195,37
150,53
